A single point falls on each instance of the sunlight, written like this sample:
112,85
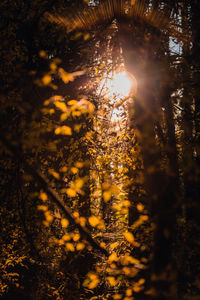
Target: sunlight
117,88
119,85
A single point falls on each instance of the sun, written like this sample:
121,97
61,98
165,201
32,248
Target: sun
117,86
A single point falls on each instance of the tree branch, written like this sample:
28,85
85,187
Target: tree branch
43,182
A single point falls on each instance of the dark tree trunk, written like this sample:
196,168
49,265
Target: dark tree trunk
140,53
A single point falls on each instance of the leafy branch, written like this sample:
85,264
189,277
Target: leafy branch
44,183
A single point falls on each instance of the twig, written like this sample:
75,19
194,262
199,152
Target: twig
43,182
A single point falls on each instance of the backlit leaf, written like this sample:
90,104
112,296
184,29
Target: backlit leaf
107,195
112,281
46,79
43,196
80,246
72,102
129,236
76,237
54,174
74,170
94,221
64,130
42,207
79,164
140,206
71,192
64,223
70,247
113,257
61,105
66,237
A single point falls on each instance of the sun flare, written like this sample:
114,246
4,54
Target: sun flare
119,85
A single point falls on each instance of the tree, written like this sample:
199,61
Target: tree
86,185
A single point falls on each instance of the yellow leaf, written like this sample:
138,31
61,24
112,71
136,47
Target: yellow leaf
66,77
48,217
63,169
79,183
127,271
46,223
66,237
103,245
94,280
43,54
54,174
82,221
94,221
79,164
113,257
77,127
76,237
72,102
86,36
42,207
116,206
126,203
61,242
111,280
53,66
107,195
51,111
76,214
65,130
141,281
117,297
70,247
128,259
93,284
64,223
105,185
101,224
140,206
137,288
64,116
80,246
114,245
57,98
144,218
61,105
71,192
57,130
46,102
129,292
74,170
129,236
76,113
46,79
43,196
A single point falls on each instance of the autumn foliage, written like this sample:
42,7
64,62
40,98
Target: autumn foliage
100,150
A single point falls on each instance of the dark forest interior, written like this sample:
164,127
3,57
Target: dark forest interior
100,149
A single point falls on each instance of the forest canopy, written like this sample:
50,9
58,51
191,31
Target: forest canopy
100,153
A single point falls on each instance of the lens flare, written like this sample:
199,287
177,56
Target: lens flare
119,85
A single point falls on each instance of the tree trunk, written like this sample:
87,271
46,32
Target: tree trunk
140,53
